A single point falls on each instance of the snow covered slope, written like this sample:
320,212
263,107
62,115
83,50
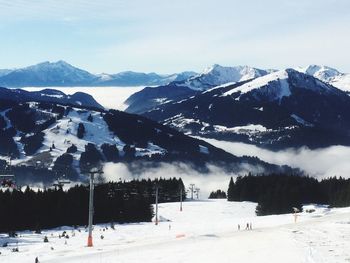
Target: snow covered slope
263,84
218,75
290,109
206,231
150,98
328,75
276,85
46,140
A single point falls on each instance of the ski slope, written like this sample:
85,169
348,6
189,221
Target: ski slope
205,231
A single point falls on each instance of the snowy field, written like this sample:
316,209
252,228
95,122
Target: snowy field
205,231
108,97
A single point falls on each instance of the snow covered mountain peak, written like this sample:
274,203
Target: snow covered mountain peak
276,85
217,75
214,67
51,65
323,73
328,75
236,73
47,73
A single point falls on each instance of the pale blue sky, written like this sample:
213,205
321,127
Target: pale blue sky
170,36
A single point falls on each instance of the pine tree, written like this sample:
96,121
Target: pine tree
90,118
230,191
81,131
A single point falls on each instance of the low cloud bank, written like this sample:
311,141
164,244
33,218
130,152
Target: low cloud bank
215,179
108,97
320,163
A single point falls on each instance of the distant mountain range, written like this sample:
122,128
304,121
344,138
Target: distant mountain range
282,109
61,73
150,97
270,108
216,75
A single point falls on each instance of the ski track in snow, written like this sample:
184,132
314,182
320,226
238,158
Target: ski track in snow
207,232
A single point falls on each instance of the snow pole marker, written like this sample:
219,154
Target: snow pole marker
156,219
91,205
180,199
296,211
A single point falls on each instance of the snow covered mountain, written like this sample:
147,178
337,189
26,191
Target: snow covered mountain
328,75
47,140
130,78
47,74
279,110
218,75
215,75
151,97
4,72
61,73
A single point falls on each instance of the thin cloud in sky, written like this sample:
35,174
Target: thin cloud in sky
169,36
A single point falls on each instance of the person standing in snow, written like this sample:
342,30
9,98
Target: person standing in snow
239,227
247,226
36,260
250,226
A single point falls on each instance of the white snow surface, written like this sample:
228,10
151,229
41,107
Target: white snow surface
323,73
63,134
205,231
341,82
329,75
301,120
261,83
203,149
180,121
251,128
218,75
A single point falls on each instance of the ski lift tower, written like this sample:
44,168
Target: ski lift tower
7,181
192,190
197,192
60,183
96,170
157,191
